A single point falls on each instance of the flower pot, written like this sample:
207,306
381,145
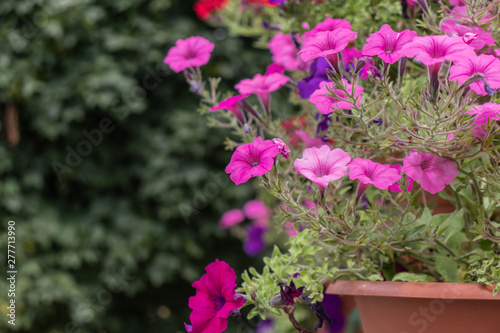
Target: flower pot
423,307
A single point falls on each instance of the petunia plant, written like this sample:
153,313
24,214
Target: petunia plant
382,151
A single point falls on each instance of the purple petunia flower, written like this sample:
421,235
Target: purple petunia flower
255,240
311,83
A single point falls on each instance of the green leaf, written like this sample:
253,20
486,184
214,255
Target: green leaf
411,277
447,268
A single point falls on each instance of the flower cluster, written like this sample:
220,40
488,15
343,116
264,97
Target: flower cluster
389,150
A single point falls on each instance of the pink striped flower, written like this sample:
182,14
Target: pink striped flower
284,52
487,65
252,160
190,52
283,148
388,44
326,103
433,172
327,44
432,51
262,86
322,165
328,24
231,104
368,172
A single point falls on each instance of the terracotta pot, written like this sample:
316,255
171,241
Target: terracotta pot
423,307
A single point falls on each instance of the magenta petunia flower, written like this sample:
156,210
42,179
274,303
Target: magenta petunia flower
308,140
396,187
274,68
487,65
328,24
251,160
388,44
368,172
262,86
481,37
284,150
483,113
284,52
231,104
256,209
322,165
433,172
327,44
230,218
215,299
190,52
434,50
326,103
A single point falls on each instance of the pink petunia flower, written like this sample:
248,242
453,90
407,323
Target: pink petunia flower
262,86
483,113
190,52
284,52
252,160
432,51
368,172
274,68
328,24
214,299
322,165
433,172
480,38
487,65
230,218
327,44
348,58
396,187
308,140
326,103
256,209
231,104
388,44
283,148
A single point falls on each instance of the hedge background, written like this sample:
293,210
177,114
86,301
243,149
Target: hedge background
108,158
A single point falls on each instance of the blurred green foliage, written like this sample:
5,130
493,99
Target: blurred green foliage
110,233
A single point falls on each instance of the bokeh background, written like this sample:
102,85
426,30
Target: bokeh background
113,178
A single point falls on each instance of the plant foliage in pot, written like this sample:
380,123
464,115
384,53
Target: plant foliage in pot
381,118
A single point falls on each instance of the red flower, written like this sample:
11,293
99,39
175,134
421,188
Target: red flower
214,300
205,8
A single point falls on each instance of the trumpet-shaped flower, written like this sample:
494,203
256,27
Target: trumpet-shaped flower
284,52
433,50
231,104
327,44
256,209
433,172
388,44
367,172
322,165
487,65
328,24
190,52
326,103
251,160
214,299
348,58
308,140
397,187
481,37
262,86
254,242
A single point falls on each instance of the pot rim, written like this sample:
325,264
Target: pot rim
433,290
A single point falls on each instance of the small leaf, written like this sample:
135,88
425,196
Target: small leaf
447,268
